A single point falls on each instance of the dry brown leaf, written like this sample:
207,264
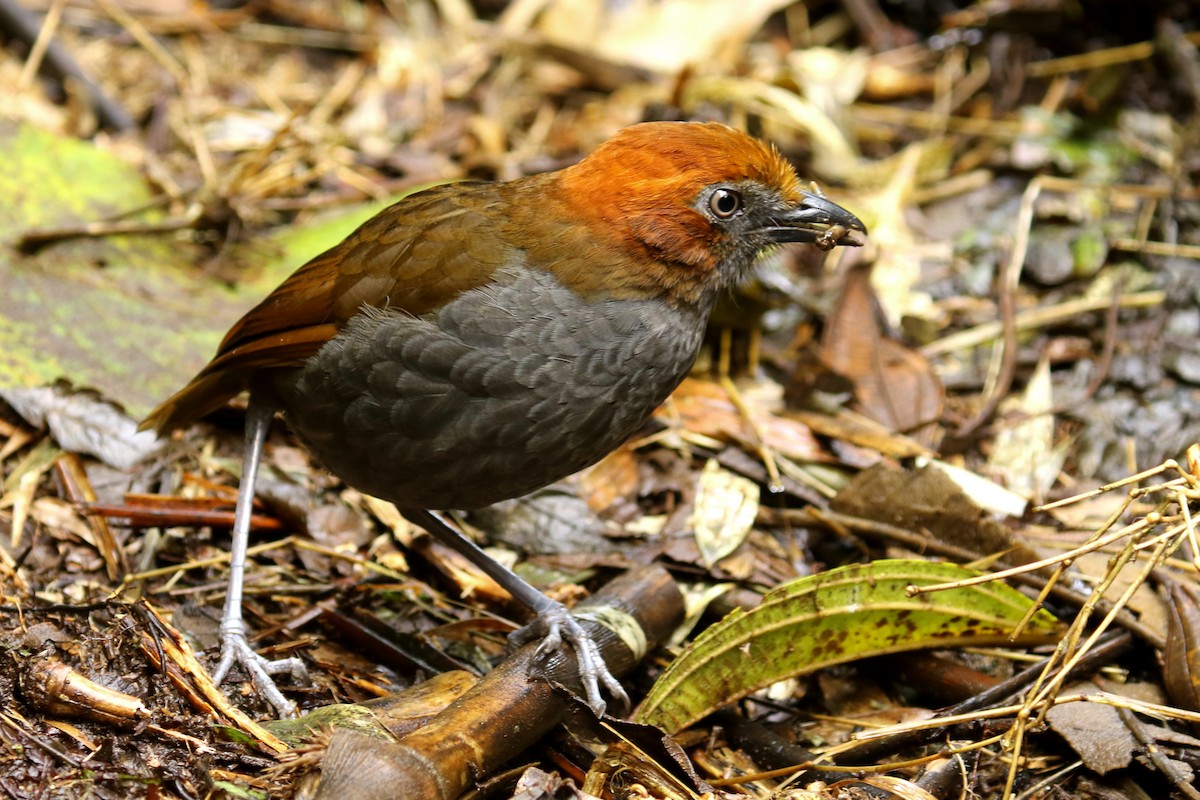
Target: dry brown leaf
892,384
613,477
705,408
927,500
1094,731
1181,659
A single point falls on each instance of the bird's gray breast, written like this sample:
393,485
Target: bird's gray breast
505,389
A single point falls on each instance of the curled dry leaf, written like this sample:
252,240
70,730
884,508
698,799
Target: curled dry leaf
1181,658
82,423
1024,454
726,505
61,691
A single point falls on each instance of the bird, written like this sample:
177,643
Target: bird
476,341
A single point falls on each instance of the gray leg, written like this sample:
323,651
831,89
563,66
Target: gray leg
234,646
554,622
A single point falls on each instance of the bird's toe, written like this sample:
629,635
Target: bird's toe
235,649
556,626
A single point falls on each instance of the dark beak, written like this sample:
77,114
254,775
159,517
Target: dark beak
815,219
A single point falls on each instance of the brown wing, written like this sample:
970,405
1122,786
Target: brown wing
415,255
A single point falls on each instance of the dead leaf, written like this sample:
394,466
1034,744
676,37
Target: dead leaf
662,35
1094,731
1181,658
725,507
614,477
705,408
928,500
83,423
893,384
1024,455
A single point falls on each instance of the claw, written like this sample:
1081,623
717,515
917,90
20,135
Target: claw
235,649
554,625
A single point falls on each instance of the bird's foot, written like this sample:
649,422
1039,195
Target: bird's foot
554,624
235,649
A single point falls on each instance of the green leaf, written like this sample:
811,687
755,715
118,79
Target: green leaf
836,617
239,791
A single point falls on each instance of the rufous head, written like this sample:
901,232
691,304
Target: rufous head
701,199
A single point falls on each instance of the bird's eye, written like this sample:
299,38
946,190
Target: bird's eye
724,203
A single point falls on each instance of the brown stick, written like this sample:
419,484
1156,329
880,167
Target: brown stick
506,712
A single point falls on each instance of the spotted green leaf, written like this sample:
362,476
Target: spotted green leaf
836,617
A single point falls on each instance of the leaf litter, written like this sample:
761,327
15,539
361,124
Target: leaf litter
1023,319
